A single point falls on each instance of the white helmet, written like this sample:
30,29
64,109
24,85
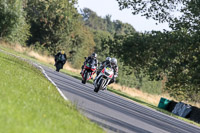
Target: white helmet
94,55
108,59
113,62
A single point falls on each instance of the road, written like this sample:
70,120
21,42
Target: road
115,113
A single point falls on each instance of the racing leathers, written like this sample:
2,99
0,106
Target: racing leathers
60,57
87,60
115,68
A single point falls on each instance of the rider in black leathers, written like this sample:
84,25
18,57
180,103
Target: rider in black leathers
88,59
60,56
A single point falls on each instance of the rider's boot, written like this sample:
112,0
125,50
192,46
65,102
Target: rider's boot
81,71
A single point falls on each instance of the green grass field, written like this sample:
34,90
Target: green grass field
29,103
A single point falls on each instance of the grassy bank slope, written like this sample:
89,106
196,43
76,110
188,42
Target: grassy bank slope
31,104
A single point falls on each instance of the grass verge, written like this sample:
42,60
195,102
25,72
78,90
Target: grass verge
30,103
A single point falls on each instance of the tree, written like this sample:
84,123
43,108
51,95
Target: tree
122,28
80,45
13,26
92,20
156,9
102,47
173,54
163,11
51,22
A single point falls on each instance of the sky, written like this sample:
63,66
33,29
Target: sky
111,7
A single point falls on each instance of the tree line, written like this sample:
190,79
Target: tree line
172,55
152,61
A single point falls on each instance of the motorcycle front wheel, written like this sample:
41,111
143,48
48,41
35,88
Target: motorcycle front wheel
86,75
98,86
58,66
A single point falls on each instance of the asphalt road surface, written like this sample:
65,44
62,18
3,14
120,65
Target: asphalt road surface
115,113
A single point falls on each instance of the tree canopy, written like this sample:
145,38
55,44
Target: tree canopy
165,10
171,54
51,22
13,26
92,20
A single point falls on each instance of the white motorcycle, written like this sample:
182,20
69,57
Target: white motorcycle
103,78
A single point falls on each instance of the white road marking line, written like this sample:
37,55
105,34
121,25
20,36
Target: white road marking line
43,71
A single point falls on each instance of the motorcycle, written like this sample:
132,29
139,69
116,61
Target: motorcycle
88,70
103,79
59,64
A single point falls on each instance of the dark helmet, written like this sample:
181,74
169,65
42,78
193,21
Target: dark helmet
94,55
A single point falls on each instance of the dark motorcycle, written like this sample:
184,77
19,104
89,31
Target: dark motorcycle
59,64
88,70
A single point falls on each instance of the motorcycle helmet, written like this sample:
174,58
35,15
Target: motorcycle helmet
62,52
113,62
94,55
108,59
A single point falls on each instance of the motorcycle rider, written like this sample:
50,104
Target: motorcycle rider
60,56
93,56
107,61
113,63
103,64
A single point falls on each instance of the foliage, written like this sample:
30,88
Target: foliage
13,26
164,11
130,70
81,45
174,55
102,47
189,20
92,20
156,9
51,22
